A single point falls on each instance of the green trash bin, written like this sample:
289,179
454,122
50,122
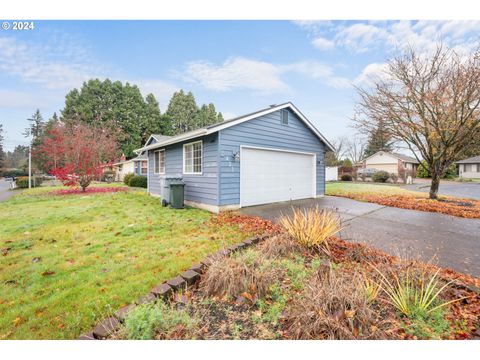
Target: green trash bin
177,194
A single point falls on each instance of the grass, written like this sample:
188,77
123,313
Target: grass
359,190
70,260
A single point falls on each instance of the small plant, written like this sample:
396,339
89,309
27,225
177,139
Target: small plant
434,326
127,178
346,177
394,178
370,289
312,227
380,176
414,295
138,181
157,321
22,182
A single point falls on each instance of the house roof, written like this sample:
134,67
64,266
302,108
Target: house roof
472,160
141,157
402,157
232,122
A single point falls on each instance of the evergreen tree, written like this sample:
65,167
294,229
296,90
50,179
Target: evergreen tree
220,117
113,105
36,128
182,110
156,122
378,140
207,115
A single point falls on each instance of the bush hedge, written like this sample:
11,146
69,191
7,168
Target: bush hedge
346,177
138,181
381,176
12,173
22,182
127,177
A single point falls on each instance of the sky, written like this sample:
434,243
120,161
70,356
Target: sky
240,66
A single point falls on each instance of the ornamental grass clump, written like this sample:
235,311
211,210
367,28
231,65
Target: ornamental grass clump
312,227
414,294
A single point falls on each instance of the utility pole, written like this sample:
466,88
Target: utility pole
30,167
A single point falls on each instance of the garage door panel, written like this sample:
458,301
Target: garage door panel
271,176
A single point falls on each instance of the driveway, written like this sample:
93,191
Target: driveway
5,193
445,240
464,190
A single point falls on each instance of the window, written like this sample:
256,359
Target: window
284,117
478,167
159,162
143,169
192,158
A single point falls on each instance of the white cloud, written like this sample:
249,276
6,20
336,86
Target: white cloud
260,76
372,72
323,44
60,65
424,35
236,73
23,100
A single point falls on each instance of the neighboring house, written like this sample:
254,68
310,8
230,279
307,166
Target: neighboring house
137,165
469,168
271,155
390,162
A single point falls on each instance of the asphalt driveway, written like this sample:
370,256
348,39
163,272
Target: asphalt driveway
445,240
470,190
5,193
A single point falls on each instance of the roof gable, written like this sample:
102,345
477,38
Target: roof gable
235,121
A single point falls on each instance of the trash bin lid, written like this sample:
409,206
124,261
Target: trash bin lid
177,182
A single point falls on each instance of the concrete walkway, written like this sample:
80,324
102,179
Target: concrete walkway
448,241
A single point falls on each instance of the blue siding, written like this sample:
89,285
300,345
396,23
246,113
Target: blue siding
264,131
198,188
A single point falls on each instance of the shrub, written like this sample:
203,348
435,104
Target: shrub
346,177
22,182
127,178
422,170
279,246
333,307
312,227
157,321
380,176
138,181
413,294
246,272
13,173
108,176
394,178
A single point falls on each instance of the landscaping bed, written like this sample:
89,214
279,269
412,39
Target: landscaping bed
404,199
279,289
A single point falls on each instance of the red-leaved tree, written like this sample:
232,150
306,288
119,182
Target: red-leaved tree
77,154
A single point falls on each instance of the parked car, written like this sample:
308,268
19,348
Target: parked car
367,171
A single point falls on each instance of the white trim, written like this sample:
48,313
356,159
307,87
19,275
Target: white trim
183,158
314,164
155,162
214,128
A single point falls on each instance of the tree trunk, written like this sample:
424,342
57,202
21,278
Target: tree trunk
434,186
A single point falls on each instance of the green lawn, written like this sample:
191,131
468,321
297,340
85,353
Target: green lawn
359,189
74,259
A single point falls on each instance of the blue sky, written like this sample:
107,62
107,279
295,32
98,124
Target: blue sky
240,66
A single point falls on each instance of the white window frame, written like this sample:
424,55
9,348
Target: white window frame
155,162
141,168
201,158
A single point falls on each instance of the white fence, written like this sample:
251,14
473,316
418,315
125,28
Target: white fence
331,173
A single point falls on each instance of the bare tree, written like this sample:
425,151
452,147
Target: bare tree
355,149
430,102
339,146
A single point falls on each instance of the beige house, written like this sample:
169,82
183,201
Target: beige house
390,162
469,168
137,165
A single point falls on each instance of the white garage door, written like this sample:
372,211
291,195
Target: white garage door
268,176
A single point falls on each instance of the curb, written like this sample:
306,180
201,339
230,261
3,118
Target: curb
165,290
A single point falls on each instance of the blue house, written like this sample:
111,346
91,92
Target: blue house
271,155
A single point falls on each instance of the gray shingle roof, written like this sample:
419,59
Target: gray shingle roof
472,160
160,137
406,158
